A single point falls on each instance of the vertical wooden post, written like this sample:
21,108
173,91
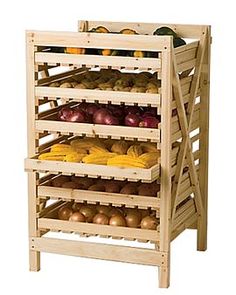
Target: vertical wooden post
203,144
165,201
34,256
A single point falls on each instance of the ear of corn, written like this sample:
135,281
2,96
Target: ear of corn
61,147
98,149
52,156
120,147
126,161
86,143
74,157
134,151
98,158
150,159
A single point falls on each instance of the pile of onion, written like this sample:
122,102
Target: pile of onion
108,215
133,116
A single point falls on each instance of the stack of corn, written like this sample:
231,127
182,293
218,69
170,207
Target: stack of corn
105,152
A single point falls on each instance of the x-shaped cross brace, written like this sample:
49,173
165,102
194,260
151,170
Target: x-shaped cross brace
185,120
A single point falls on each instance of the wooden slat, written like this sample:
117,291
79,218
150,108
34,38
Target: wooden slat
113,198
186,47
185,31
150,174
191,220
60,76
100,130
185,215
115,97
99,251
98,40
186,65
98,60
185,98
90,228
186,56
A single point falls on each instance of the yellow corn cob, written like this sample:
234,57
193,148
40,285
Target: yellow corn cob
98,158
60,147
120,147
98,149
52,156
86,143
79,150
150,159
134,151
126,161
148,147
74,157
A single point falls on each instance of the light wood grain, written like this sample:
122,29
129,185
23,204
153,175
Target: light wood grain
115,97
99,251
165,196
90,228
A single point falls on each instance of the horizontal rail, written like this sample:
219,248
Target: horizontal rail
182,30
98,251
115,97
100,130
98,40
81,169
96,229
101,197
98,60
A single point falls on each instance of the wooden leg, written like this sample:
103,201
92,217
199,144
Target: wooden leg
164,276
202,233
203,144
34,260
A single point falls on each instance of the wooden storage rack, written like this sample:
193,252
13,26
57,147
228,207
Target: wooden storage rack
182,172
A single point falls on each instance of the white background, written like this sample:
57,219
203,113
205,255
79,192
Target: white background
192,272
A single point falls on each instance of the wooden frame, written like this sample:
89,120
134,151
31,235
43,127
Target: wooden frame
182,170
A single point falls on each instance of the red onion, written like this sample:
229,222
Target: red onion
92,108
151,111
77,116
132,120
149,122
133,110
111,120
147,114
83,106
64,113
99,116
117,111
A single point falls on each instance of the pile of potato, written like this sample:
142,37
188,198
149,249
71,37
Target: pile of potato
112,80
109,186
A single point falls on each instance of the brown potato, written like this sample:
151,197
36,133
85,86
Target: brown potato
138,89
146,189
66,85
97,187
82,182
57,182
111,187
69,184
129,189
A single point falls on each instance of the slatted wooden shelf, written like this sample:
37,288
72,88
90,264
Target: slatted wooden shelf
92,61
94,229
102,96
182,102
115,132
103,198
93,170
